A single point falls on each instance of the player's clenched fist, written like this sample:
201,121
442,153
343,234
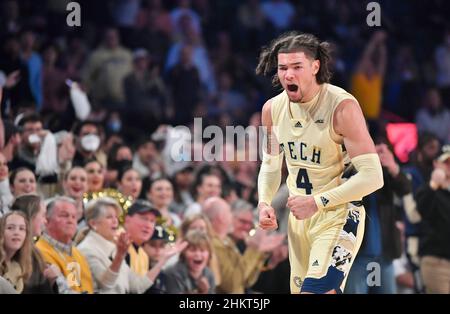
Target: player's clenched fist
267,217
302,207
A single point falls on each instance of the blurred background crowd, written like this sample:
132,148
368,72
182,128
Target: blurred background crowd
75,171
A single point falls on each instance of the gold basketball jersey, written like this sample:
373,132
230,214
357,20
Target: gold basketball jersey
314,154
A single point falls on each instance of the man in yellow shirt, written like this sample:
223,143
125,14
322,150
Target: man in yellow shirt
56,246
139,224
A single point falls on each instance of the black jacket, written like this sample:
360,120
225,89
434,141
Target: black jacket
434,207
388,214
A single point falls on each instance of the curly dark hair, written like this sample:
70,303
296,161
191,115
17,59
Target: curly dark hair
295,42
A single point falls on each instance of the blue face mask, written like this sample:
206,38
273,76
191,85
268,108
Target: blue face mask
115,126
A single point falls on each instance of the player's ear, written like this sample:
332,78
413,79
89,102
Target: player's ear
315,66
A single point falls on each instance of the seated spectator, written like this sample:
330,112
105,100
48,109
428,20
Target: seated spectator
129,182
44,277
105,251
34,208
201,222
206,185
146,159
22,181
243,223
191,274
55,245
160,194
75,185
140,225
30,145
95,176
155,249
15,252
88,143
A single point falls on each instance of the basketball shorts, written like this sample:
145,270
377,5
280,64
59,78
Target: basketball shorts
322,248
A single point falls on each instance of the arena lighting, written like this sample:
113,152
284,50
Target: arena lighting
403,137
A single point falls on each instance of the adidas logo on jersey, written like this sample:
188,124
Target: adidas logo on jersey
324,201
298,125
316,263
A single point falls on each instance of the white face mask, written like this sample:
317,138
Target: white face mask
90,142
34,139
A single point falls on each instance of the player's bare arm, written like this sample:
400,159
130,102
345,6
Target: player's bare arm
350,123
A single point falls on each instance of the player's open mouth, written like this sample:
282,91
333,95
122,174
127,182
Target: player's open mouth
292,87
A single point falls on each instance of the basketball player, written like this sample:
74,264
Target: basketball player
321,132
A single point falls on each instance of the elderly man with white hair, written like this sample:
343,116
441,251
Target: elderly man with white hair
57,248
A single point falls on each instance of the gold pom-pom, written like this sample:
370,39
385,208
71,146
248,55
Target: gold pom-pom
170,229
124,201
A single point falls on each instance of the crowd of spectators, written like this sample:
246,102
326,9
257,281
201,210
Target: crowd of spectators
90,199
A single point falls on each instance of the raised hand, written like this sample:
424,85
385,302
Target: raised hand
171,250
123,243
269,243
387,159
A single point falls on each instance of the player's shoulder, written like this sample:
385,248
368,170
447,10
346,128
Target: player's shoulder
276,104
336,90
339,97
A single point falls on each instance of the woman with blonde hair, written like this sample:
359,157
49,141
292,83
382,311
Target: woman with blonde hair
15,249
44,276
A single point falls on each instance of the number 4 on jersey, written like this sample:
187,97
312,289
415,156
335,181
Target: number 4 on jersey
303,181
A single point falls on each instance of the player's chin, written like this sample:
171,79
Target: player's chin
294,96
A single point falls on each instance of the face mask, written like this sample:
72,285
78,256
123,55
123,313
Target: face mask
34,139
90,142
